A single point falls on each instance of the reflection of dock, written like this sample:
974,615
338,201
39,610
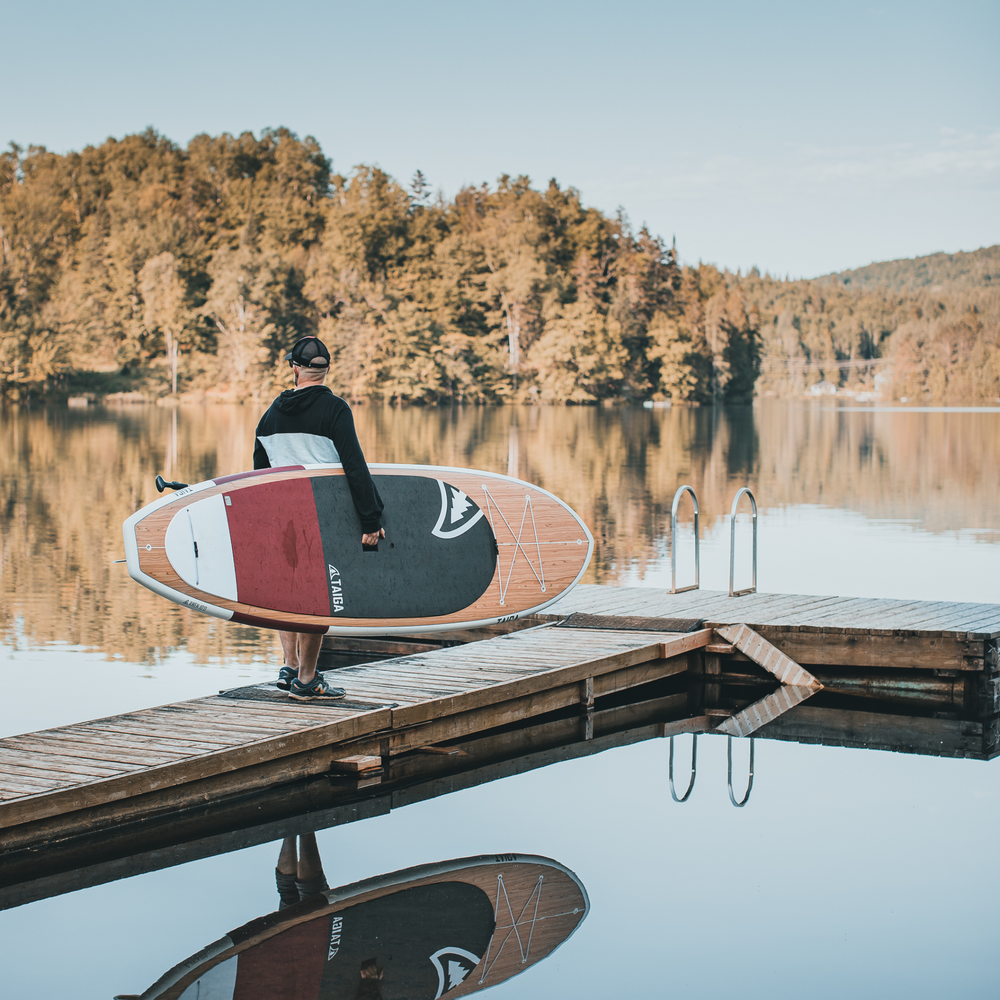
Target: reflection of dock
913,676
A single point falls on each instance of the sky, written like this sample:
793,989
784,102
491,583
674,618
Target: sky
802,138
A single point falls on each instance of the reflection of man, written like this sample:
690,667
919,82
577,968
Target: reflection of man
304,426
299,877
370,987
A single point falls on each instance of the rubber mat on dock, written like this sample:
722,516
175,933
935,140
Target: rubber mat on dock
631,623
271,693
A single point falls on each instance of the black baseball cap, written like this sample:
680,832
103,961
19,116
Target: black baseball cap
309,352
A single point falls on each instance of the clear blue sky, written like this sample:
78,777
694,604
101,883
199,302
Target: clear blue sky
801,137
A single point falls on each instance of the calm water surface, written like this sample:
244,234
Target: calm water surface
849,871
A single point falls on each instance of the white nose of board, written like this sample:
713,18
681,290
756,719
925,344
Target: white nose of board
200,549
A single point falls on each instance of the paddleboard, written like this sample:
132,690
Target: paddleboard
448,929
281,548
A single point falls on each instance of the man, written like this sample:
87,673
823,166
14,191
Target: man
310,425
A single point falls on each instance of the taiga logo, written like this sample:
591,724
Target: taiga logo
452,965
336,927
336,589
458,513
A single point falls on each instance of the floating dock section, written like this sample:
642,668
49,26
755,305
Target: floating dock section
813,669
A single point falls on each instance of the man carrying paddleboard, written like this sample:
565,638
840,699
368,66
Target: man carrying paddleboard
309,425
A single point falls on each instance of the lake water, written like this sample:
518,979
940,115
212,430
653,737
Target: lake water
849,871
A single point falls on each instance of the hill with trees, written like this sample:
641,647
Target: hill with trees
139,265
923,330
937,272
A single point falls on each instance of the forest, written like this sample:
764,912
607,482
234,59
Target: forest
138,269
924,330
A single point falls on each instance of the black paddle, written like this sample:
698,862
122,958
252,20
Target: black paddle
162,484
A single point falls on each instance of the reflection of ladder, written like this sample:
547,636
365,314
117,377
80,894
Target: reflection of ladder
797,684
694,772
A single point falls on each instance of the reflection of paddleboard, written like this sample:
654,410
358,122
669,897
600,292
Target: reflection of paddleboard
282,549
451,928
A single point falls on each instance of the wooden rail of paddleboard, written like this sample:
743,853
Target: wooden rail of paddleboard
411,702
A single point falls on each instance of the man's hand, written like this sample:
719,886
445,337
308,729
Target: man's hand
370,970
372,537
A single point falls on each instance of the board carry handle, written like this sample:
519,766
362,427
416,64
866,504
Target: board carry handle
162,484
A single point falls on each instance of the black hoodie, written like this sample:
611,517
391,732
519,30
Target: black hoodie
312,426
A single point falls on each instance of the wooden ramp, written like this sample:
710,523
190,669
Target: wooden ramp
110,770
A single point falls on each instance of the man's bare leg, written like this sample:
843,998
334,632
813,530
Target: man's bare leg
290,648
301,654
287,863
310,866
285,873
301,651
306,654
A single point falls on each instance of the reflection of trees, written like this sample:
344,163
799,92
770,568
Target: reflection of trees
68,480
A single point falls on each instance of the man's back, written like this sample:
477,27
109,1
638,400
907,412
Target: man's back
300,428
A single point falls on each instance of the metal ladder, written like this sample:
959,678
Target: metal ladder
678,496
752,589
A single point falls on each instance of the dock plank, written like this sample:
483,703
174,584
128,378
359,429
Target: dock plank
61,764
261,718
73,748
13,787
873,611
125,740
942,613
61,776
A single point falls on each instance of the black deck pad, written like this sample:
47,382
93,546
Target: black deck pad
438,557
425,941
632,623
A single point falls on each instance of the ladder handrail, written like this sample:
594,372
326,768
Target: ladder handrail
673,536
732,542
694,770
729,756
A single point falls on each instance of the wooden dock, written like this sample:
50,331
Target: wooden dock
155,841
104,771
738,665
323,801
